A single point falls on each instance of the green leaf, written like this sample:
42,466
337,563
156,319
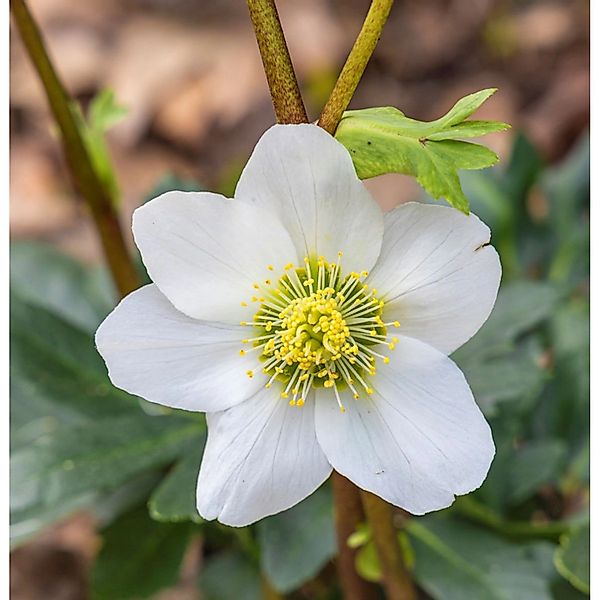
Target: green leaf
98,455
538,463
230,576
139,557
503,379
522,172
57,377
521,305
104,113
296,544
572,558
44,277
175,499
170,182
384,140
457,561
570,333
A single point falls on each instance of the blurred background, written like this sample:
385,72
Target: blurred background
190,75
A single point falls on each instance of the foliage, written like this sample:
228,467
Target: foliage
77,442
384,140
104,112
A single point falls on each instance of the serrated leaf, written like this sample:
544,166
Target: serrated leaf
572,558
175,498
383,140
297,543
139,557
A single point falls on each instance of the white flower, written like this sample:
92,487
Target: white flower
313,330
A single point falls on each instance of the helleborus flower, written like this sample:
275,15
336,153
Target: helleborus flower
313,330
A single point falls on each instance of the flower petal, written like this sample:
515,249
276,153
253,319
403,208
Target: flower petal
154,351
437,275
261,457
418,440
205,252
306,178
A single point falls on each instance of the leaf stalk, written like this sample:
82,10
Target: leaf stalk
355,65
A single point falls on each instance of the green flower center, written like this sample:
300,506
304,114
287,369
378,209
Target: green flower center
318,328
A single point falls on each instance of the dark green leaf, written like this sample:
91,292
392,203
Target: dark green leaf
99,455
230,576
46,278
457,561
521,305
572,558
522,172
139,557
175,499
57,377
537,463
502,379
170,182
296,544
384,140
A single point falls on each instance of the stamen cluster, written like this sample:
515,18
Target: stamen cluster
317,328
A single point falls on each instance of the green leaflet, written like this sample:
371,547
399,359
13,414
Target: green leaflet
103,114
384,140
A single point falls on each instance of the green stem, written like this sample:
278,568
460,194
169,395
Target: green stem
285,93
479,513
86,179
348,514
396,579
356,63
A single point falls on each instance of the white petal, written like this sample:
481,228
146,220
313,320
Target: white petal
306,178
436,274
205,252
418,440
261,457
154,351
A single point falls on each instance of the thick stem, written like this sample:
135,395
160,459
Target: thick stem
348,514
396,580
78,160
355,66
287,101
